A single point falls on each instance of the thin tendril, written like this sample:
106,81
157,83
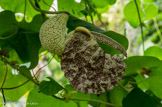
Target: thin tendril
44,65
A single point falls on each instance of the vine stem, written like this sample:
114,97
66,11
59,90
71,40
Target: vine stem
5,77
93,100
139,17
16,86
44,11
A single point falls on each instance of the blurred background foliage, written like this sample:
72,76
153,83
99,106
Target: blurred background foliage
119,19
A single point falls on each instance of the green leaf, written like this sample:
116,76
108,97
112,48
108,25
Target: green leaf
17,6
116,95
137,98
1,102
25,72
26,41
74,22
135,63
50,87
33,48
131,14
153,82
34,25
14,80
36,99
148,0
26,45
104,3
154,51
8,23
71,6
151,10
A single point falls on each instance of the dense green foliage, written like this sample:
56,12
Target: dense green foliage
21,52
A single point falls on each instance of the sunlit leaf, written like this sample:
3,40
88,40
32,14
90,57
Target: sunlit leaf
154,51
151,10
148,0
71,6
136,63
131,14
14,80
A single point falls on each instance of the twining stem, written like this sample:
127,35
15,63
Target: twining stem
44,66
44,11
139,17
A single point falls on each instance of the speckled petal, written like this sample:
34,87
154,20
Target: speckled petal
88,68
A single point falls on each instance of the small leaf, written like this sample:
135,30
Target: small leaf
151,10
135,63
154,51
50,87
131,14
137,98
